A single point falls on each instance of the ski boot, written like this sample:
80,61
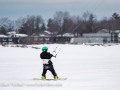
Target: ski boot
43,78
56,78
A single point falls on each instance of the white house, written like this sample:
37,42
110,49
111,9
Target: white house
3,36
68,35
21,35
103,36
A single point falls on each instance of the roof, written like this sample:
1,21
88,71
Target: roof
21,35
104,31
97,35
12,32
3,35
48,32
68,35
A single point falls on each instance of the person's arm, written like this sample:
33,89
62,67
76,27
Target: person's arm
51,55
40,56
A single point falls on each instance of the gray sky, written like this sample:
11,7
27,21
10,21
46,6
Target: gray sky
14,9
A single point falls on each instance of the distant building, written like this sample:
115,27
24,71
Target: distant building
68,35
92,38
103,36
48,37
8,40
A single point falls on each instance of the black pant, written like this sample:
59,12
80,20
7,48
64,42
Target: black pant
50,68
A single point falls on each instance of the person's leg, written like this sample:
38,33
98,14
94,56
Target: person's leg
53,72
44,73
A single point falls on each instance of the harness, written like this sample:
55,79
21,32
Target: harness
45,61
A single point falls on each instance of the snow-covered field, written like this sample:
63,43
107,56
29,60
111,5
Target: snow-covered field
86,68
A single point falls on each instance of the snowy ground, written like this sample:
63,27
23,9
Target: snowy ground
86,68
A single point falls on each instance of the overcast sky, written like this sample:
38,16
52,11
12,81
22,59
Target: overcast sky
46,8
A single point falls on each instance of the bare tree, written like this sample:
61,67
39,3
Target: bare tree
89,21
56,24
6,25
31,24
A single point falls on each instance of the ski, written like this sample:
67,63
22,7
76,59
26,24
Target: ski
50,79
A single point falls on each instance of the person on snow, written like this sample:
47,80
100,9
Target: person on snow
47,63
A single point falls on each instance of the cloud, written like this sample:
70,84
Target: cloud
63,1
47,8
43,1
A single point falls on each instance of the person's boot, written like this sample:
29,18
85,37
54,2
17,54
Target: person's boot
43,78
55,77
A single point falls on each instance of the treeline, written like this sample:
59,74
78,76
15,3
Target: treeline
61,22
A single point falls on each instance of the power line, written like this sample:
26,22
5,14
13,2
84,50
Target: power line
99,4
